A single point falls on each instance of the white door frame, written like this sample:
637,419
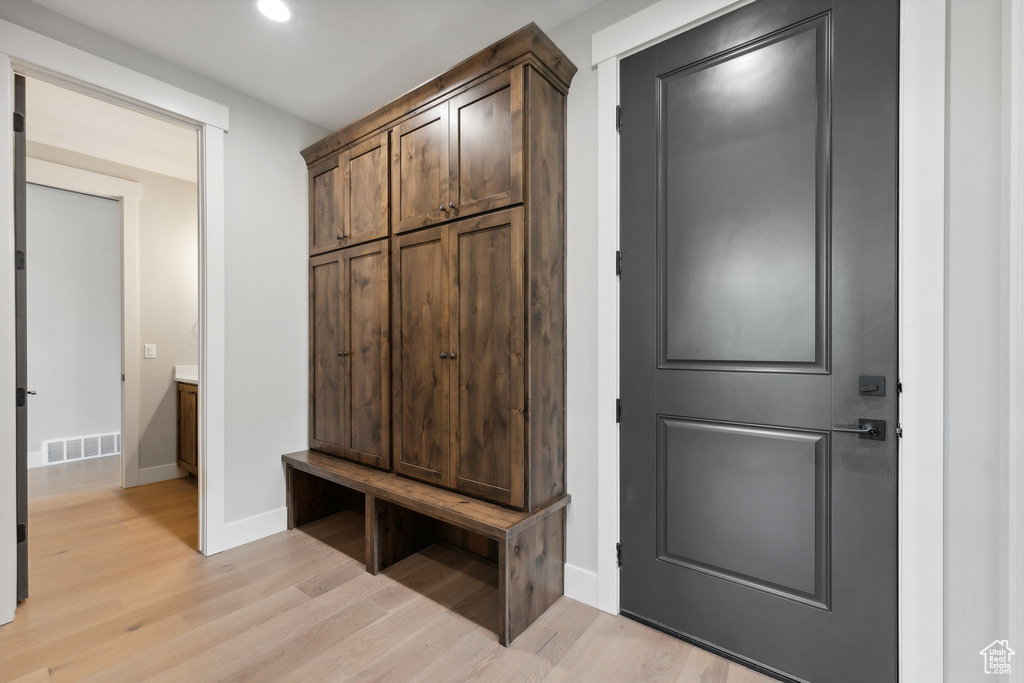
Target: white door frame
30,52
128,194
921,305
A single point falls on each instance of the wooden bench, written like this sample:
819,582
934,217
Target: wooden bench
404,516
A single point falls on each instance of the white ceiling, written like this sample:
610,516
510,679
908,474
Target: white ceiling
335,61
62,118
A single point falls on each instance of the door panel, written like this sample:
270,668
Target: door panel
325,189
366,190
420,374
758,199
325,372
419,169
751,266
367,403
487,144
487,373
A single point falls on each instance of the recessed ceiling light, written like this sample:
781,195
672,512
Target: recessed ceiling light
275,10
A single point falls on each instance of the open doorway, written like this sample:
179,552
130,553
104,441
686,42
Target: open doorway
112,318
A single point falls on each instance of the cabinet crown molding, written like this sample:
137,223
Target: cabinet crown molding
528,42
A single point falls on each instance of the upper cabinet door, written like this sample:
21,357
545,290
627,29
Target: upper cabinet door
419,170
325,189
487,376
326,383
486,143
421,366
366,354
365,190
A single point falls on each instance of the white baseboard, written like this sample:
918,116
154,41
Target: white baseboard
256,527
581,584
151,475
37,459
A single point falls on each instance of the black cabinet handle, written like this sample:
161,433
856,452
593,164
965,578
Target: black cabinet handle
451,355
444,355
342,353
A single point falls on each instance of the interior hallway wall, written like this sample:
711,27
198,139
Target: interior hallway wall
573,38
266,278
73,270
168,290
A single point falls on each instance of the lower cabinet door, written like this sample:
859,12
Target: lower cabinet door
325,366
486,266
366,353
421,365
188,423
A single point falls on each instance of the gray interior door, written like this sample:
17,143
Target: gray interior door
758,214
21,338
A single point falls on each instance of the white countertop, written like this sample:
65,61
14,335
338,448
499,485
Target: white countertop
189,374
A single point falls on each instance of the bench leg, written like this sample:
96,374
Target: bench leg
393,533
531,575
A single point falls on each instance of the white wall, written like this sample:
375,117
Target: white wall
975,452
168,293
73,261
573,38
266,252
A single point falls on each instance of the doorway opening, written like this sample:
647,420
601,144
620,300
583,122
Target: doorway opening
111,345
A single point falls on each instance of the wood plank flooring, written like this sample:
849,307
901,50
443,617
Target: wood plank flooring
119,593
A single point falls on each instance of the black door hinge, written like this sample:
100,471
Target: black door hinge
618,554
899,431
19,260
22,533
618,263
618,410
618,118
19,122
21,396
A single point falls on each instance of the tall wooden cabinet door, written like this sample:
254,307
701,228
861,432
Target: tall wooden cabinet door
366,356
365,190
487,378
486,144
325,219
419,170
325,368
420,362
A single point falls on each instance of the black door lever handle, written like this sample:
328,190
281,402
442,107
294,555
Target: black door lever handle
865,429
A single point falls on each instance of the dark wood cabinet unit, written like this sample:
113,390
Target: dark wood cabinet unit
437,319
188,427
350,373
460,185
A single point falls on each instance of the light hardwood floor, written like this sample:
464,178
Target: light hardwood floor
119,593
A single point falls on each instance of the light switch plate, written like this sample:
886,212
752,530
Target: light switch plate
150,350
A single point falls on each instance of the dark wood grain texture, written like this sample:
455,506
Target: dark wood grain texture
419,170
486,142
188,427
420,375
311,498
366,349
487,392
488,519
530,575
393,533
365,190
528,42
325,204
325,369
545,324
